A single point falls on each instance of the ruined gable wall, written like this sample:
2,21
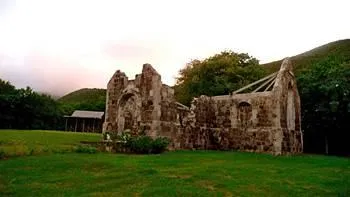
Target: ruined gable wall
114,90
150,88
141,105
285,90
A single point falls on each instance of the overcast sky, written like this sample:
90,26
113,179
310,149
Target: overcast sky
60,46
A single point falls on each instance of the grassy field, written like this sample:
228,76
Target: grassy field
181,173
20,143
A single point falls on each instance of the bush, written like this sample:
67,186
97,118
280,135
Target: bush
160,144
141,144
85,149
146,145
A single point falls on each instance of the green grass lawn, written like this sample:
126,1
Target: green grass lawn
180,173
24,142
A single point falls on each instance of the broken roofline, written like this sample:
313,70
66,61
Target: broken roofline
146,67
270,80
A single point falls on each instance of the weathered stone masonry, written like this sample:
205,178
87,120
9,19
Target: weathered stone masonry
266,121
143,104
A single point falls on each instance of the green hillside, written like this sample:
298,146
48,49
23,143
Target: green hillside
339,50
84,99
85,94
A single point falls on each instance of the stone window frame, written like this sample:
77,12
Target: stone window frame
249,116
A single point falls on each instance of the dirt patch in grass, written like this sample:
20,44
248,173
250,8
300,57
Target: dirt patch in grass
5,188
147,172
209,185
106,194
179,176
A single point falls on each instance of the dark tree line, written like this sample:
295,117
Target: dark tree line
26,109
325,98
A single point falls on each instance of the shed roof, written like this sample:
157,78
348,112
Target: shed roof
87,114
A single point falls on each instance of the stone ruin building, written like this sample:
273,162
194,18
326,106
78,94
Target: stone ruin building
265,120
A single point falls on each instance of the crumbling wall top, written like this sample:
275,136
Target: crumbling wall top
147,68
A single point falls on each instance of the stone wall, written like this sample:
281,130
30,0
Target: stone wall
141,105
241,122
261,122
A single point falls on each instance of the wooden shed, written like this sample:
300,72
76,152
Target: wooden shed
85,121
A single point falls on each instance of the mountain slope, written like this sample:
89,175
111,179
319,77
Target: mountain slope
84,95
84,99
339,50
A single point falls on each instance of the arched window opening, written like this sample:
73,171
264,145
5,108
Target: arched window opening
128,121
244,114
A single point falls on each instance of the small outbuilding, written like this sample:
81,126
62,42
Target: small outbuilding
85,121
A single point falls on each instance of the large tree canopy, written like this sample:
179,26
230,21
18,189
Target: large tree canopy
216,75
325,99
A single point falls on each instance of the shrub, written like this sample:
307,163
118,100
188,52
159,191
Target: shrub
160,144
146,145
141,144
85,149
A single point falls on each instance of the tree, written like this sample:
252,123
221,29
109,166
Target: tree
26,109
6,87
216,75
325,99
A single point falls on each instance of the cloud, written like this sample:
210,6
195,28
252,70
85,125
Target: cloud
55,75
6,6
60,73
126,50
